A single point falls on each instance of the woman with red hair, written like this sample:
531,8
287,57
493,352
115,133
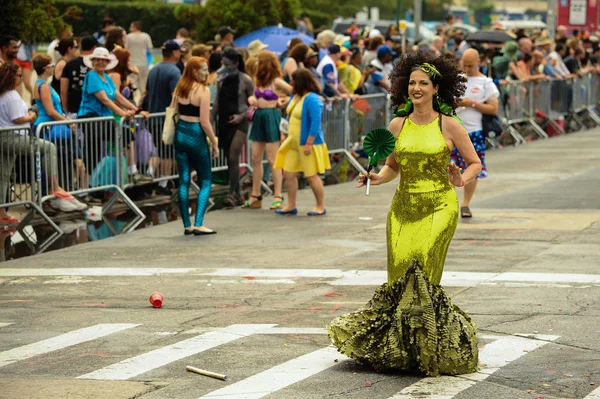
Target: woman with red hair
192,100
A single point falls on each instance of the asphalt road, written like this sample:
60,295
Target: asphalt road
252,302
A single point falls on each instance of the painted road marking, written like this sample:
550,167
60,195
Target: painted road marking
337,277
60,342
281,376
492,357
141,364
94,271
5,324
294,330
594,395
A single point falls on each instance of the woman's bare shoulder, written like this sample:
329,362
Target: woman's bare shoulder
396,125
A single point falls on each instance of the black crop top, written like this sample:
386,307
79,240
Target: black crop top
189,110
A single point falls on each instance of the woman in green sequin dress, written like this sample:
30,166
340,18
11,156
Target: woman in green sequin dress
410,323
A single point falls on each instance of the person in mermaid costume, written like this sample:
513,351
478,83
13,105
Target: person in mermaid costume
410,324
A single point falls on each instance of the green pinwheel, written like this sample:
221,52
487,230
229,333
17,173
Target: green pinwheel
378,144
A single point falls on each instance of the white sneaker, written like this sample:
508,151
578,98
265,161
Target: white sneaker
81,206
67,203
63,205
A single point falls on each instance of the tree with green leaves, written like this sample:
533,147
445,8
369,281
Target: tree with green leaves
244,15
35,21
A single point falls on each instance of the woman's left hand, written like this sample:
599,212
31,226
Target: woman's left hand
145,114
307,149
454,175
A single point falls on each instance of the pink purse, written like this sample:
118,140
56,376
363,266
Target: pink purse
250,113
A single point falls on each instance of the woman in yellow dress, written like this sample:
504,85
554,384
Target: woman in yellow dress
304,150
410,323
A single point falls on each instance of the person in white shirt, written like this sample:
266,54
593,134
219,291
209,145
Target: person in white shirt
556,58
328,72
379,81
481,97
139,43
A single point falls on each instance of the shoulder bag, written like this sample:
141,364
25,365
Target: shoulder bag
171,119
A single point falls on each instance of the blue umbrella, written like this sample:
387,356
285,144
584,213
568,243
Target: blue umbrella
276,37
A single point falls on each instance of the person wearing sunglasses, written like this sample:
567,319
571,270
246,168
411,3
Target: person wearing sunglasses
69,50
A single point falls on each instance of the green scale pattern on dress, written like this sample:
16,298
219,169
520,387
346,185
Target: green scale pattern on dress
410,323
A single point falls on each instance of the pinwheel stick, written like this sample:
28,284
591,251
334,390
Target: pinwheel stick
368,189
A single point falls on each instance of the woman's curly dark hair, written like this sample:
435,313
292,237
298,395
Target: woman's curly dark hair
451,86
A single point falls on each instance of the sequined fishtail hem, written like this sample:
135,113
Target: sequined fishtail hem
410,325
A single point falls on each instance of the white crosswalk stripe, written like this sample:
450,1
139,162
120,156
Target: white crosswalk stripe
500,352
335,277
492,357
594,395
60,342
278,377
141,364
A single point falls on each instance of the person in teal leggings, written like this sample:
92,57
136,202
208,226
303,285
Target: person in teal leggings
192,99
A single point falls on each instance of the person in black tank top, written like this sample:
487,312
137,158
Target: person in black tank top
68,49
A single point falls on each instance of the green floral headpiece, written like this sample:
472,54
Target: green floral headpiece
430,70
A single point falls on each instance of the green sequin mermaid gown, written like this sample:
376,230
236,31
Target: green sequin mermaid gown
410,323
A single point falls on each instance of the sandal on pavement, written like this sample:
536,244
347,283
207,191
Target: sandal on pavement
277,203
465,212
253,205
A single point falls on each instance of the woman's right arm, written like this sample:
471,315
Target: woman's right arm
281,84
29,118
103,98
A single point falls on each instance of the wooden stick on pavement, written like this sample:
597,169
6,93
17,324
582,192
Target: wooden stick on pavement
206,373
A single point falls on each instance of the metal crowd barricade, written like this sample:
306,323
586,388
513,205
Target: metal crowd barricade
578,98
593,96
143,146
582,99
18,152
543,105
90,158
333,123
150,154
516,103
365,114
561,98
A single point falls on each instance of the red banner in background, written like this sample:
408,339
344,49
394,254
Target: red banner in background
578,14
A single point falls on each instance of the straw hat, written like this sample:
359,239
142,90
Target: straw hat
255,47
543,41
103,54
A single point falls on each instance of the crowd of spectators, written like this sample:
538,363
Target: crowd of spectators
113,73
